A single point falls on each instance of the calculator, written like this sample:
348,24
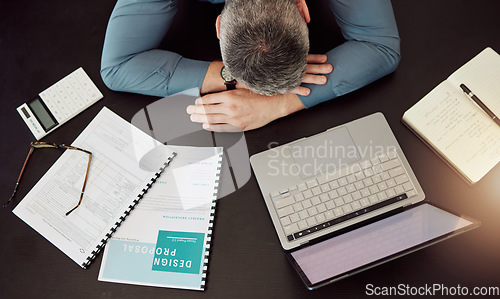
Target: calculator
59,103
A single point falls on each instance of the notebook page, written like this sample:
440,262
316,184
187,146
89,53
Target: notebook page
115,179
457,129
482,76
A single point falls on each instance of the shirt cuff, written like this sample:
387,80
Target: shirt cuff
188,74
318,95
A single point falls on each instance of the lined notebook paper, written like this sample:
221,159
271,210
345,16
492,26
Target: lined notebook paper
125,163
454,126
165,242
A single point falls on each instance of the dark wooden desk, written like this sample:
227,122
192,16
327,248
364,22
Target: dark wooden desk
42,41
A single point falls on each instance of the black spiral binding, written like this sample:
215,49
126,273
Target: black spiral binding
98,248
211,222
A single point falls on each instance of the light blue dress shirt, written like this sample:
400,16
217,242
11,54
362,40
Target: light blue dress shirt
132,62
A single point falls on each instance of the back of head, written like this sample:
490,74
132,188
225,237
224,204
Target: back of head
264,44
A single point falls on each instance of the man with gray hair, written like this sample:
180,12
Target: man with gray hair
266,72
263,49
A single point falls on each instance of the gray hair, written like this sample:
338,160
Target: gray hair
264,44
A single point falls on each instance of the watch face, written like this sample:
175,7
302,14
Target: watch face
226,75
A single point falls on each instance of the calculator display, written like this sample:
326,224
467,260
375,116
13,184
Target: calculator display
42,114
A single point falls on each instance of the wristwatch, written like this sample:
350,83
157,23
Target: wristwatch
229,81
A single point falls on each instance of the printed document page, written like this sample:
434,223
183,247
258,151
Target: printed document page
180,207
119,171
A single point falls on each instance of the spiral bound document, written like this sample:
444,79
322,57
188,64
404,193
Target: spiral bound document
166,240
125,164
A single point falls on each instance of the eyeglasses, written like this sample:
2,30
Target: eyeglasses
35,145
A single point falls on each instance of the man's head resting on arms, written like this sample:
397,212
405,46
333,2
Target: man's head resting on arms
264,44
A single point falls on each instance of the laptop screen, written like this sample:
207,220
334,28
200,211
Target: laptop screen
375,243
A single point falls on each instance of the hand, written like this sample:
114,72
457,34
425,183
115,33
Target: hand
316,67
241,110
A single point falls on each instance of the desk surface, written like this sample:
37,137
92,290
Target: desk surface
42,41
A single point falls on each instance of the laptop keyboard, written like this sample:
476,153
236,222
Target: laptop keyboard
328,199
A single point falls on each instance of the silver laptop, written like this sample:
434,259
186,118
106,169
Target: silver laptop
346,199
320,184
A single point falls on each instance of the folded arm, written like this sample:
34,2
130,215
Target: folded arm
131,60
370,52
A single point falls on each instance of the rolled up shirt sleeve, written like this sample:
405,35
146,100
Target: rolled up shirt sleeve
131,60
371,49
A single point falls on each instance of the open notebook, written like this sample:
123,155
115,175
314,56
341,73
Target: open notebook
456,128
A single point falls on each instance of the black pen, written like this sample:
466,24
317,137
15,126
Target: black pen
490,113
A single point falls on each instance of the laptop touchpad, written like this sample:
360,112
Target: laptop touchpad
325,152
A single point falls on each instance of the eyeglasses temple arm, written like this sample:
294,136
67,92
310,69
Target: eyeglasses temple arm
19,178
84,184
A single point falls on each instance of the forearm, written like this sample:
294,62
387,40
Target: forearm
131,61
370,52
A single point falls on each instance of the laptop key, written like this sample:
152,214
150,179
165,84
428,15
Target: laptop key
298,207
408,186
338,212
307,194
324,197
316,191
396,171
333,194
365,202
325,188
399,189
411,193
285,211
290,229
311,221
294,217
285,221
402,179
347,209
334,184
392,154
355,205
312,211
320,218
284,202
299,197
306,204
390,164
312,183
302,224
